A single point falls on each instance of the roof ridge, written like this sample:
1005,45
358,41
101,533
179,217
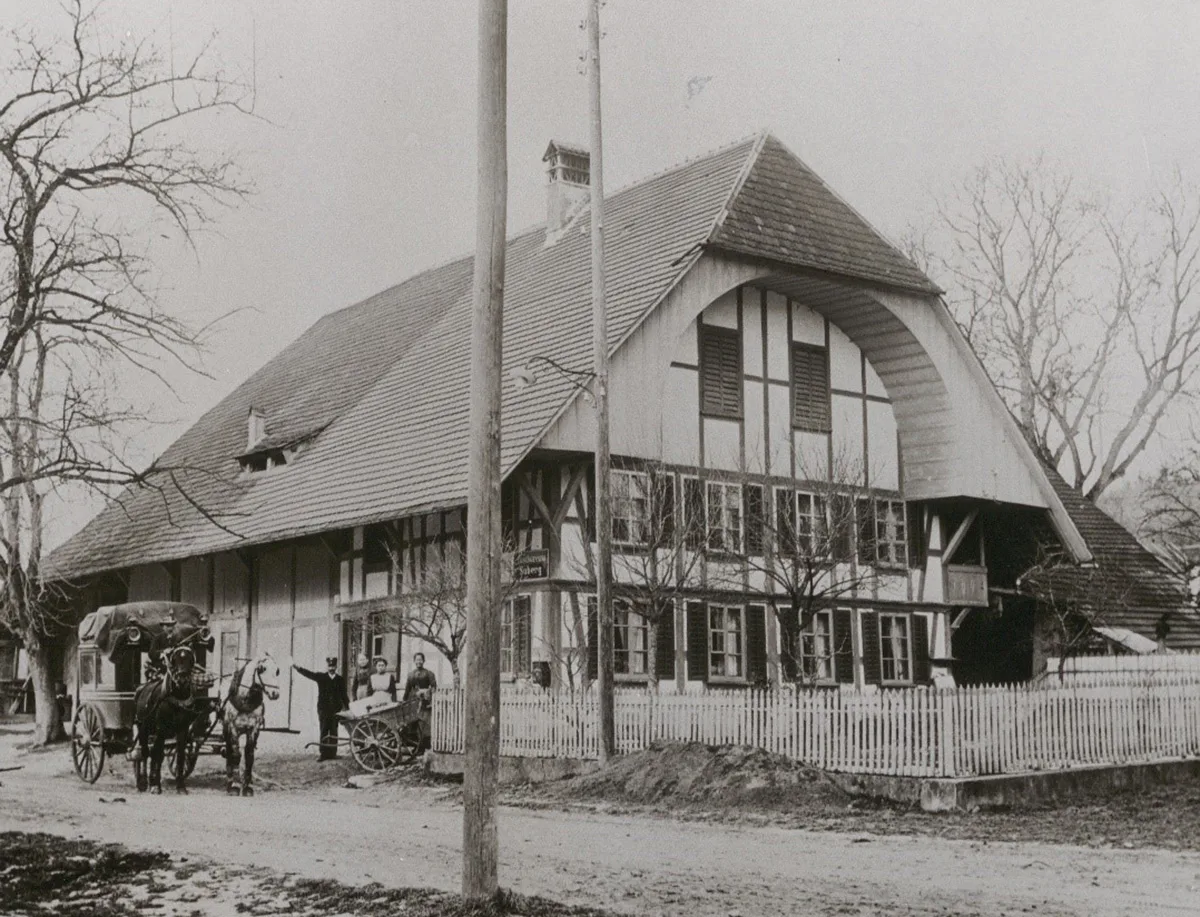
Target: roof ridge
739,182
868,223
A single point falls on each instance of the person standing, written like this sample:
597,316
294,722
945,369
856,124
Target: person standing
331,700
421,683
362,676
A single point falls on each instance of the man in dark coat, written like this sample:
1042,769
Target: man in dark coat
331,699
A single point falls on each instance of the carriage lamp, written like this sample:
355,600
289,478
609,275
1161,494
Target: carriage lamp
133,633
527,375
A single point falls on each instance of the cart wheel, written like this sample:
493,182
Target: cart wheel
87,744
375,744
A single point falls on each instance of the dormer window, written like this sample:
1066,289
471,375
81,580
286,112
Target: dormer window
268,450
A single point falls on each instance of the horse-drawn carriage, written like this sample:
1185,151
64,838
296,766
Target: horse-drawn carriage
141,690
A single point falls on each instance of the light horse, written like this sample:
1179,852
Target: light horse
165,707
243,718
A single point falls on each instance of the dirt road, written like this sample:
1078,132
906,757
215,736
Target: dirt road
410,836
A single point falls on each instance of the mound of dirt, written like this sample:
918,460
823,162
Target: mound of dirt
691,775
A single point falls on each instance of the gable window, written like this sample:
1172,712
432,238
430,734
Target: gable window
724,511
515,636
810,388
720,372
891,535
895,649
630,640
816,648
726,641
630,493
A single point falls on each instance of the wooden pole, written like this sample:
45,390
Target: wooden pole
481,770
604,609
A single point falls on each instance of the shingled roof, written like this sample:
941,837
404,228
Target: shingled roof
1150,588
383,384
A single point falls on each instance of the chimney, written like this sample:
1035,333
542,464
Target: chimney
256,427
568,188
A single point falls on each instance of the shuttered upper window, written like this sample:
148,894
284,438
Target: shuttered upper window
810,388
720,372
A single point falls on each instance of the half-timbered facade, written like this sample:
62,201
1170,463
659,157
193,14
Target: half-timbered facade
783,383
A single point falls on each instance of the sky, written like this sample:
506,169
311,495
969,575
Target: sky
363,148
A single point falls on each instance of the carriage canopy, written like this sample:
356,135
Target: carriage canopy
149,626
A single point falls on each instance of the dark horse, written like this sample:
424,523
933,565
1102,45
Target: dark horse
243,718
165,707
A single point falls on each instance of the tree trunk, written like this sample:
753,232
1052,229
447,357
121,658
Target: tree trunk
43,669
652,653
457,674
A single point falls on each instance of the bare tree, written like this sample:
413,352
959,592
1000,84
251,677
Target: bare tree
92,167
1073,600
434,610
1089,324
814,547
660,538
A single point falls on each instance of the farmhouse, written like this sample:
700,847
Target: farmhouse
789,396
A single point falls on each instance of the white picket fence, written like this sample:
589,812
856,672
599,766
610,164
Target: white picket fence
915,732
1125,668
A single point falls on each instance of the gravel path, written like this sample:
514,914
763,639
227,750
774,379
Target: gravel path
404,836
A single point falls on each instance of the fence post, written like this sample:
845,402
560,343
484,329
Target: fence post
946,754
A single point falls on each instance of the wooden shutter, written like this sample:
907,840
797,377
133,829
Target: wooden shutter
842,519
664,650
756,644
872,665
593,632
755,518
720,372
662,497
697,641
810,388
785,523
914,528
789,630
522,635
843,646
920,649
694,520
864,517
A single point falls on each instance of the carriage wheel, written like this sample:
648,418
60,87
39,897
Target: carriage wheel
375,744
87,744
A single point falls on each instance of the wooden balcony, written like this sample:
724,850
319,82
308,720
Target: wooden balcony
966,585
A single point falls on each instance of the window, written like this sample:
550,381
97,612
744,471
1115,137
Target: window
726,631
630,641
515,636
724,508
891,537
816,648
230,647
720,372
810,388
87,668
630,507
812,536
895,648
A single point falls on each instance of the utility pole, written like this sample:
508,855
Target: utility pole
604,609
481,771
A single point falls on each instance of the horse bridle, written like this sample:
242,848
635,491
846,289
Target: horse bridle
257,680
